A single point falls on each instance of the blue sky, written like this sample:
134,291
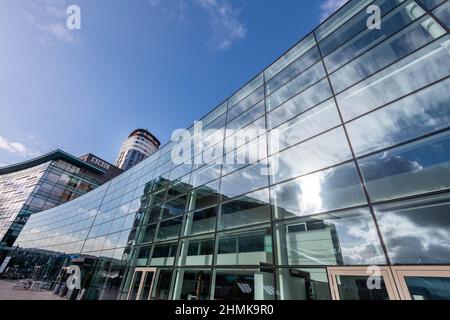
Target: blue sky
157,64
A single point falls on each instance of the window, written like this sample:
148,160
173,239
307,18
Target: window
400,45
243,285
163,284
201,221
174,207
197,251
251,209
419,167
194,285
332,189
443,13
345,238
294,69
305,126
297,85
204,196
412,73
323,151
303,284
247,248
169,229
416,231
245,180
411,117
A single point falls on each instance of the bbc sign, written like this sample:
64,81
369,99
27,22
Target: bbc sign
100,163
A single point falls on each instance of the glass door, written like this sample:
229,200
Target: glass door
362,283
423,283
142,284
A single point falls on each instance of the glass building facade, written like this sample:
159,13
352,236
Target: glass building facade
353,136
43,183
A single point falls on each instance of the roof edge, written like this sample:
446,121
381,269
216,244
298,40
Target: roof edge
54,155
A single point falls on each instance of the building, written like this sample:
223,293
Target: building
358,186
139,145
43,183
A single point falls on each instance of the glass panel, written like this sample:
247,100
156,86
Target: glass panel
254,130
197,252
145,294
428,288
356,288
243,285
419,167
303,284
204,196
246,104
245,155
328,190
148,234
394,48
430,4
323,151
195,285
174,207
162,290
369,38
164,255
246,90
210,117
169,229
416,231
153,214
414,72
296,85
246,118
135,286
304,101
201,221
290,56
246,248
339,18
250,209
345,238
305,126
443,13
293,70
245,180
143,254
205,175
414,116
354,26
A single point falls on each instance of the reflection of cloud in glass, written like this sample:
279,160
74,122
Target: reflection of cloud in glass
417,233
332,189
417,115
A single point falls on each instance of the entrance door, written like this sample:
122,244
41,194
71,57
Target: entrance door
423,283
142,284
360,283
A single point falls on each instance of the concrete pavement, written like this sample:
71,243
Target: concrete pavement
8,293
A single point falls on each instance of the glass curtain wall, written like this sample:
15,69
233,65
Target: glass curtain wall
352,153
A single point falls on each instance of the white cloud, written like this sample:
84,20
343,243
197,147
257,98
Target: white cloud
49,18
225,24
329,7
226,27
16,148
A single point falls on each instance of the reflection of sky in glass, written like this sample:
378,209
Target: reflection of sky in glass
416,115
418,231
327,190
418,167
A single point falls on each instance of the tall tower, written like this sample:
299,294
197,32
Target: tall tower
139,145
